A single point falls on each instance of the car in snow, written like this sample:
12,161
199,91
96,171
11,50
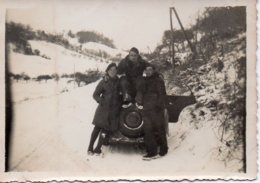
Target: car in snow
131,120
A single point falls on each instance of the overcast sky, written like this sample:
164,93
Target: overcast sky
129,23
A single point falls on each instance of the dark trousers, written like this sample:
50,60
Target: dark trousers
102,136
134,87
155,132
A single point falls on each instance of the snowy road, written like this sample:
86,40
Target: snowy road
52,134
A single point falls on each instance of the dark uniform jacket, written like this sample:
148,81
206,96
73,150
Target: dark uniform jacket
108,110
130,69
154,94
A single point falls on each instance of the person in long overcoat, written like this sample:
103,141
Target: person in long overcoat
154,104
106,118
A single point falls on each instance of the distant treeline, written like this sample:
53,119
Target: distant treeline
92,36
87,77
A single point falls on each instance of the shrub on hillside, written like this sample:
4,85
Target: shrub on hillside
17,77
90,36
36,52
65,76
55,76
26,78
45,56
86,78
43,77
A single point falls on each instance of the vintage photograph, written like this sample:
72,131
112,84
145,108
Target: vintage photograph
129,89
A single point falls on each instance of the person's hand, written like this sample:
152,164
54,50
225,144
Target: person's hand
144,74
121,75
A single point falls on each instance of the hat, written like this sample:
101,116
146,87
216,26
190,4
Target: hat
150,65
109,66
134,49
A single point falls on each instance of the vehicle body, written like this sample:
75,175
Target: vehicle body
131,120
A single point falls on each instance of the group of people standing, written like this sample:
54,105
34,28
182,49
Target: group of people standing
139,84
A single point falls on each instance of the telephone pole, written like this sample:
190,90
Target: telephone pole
184,33
172,51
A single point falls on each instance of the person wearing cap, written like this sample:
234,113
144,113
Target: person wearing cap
132,85
154,104
106,118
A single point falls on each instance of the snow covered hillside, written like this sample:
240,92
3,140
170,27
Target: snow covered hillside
95,47
62,61
218,85
92,46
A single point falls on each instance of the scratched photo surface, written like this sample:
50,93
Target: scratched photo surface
58,79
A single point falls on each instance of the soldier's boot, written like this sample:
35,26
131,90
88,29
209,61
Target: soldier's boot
126,100
97,150
139,100
93,138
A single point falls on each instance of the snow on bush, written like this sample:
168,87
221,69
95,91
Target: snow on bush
219,87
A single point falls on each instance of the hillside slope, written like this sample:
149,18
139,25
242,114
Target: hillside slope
219,87
62,61
92,46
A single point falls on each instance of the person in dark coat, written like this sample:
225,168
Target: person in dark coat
132,84
154,101
106,117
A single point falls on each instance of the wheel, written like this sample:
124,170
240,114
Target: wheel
131,122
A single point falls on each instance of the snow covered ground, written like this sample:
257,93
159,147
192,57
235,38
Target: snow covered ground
52,132
23,91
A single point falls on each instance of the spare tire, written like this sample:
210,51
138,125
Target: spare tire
131,122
